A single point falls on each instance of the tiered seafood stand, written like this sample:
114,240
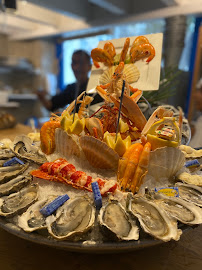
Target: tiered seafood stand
107,190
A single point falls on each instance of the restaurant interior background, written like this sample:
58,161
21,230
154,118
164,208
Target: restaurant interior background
37,39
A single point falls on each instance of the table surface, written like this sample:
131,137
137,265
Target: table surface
10,133
20,254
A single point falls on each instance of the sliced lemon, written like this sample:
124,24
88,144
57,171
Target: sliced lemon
65,123
77,127
120,146
123,127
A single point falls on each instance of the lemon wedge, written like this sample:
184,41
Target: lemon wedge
120,146
71,127
123,127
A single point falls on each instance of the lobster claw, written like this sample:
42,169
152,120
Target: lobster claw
131,110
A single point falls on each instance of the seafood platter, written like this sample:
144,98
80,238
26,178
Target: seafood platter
109,181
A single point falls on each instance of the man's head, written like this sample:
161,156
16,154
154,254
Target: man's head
198,95
81,65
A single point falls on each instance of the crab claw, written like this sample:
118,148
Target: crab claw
131,110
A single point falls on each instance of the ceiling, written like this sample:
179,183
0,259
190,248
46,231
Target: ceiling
40,18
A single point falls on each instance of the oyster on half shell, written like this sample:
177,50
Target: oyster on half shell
116,223
181,210
75,217
19,201
153,219
22,146
14,185
32,219
190,193
9,172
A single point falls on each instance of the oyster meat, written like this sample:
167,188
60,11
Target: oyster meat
9,172
153,219
6,154
17,202
32,219
116,223
190,193
193,179
14,185
22,146
75,217
183,211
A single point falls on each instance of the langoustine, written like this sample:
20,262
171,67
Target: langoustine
62,171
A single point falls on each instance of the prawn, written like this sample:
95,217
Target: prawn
100,55
47,136
124,50
139,40
132,164
109,47
142,168
86,101
142,51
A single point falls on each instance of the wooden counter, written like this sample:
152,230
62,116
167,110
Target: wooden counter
19,254
10,133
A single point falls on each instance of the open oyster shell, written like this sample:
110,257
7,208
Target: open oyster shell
190,152
14,185
193,179
9,172
179,209
116,223
65,144
18,202
190,193
6,154
165,162
32,219
22,146
75,217
153,219
98,153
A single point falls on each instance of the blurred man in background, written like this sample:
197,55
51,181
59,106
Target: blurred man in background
81,65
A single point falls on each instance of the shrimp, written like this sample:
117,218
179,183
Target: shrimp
47,136
118,71
142,168
109,47
100,55
124,50
139,40
131,165
86,100
142,51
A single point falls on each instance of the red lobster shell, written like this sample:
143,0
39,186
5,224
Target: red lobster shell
62,171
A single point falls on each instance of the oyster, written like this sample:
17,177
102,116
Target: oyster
153,219
181,210
14,185
115,221
10,172
190,193
6,154
32,219
75,217
18,202
190,152
193,179
22,146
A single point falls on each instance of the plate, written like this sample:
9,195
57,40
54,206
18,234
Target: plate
105,247
149,72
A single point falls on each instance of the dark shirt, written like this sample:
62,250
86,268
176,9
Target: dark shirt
68,95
